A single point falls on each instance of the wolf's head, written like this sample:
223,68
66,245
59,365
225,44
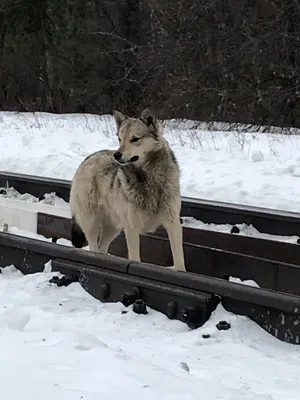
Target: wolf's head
137,137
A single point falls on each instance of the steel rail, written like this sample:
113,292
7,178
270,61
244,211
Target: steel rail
273,265
265,220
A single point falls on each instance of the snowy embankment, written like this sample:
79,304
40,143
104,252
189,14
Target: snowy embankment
254,168
62,343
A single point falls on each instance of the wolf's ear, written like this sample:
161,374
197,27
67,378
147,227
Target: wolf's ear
149,119
119,117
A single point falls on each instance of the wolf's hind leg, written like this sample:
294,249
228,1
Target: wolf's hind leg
100,240
133,243
174,231
108,235
93,235
100,234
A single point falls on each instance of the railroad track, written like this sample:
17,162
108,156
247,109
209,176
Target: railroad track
211,258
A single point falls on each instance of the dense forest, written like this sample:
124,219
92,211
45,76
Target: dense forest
210,60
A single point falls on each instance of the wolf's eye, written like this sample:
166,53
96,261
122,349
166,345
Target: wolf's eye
135,139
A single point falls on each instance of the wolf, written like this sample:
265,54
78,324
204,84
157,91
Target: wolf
135,189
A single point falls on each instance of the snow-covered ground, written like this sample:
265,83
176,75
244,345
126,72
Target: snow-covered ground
62,343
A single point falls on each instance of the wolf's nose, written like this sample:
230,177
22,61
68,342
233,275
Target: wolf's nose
117,155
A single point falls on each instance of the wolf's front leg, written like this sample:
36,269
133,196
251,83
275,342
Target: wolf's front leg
133,243
174,230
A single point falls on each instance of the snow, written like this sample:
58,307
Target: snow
245,230
257,156
215,165
248,282
60,342
49,198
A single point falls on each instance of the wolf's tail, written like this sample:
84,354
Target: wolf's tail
77,236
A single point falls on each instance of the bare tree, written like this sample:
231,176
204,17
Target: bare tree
230,60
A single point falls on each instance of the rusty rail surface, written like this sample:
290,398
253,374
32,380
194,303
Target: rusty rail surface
264,220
